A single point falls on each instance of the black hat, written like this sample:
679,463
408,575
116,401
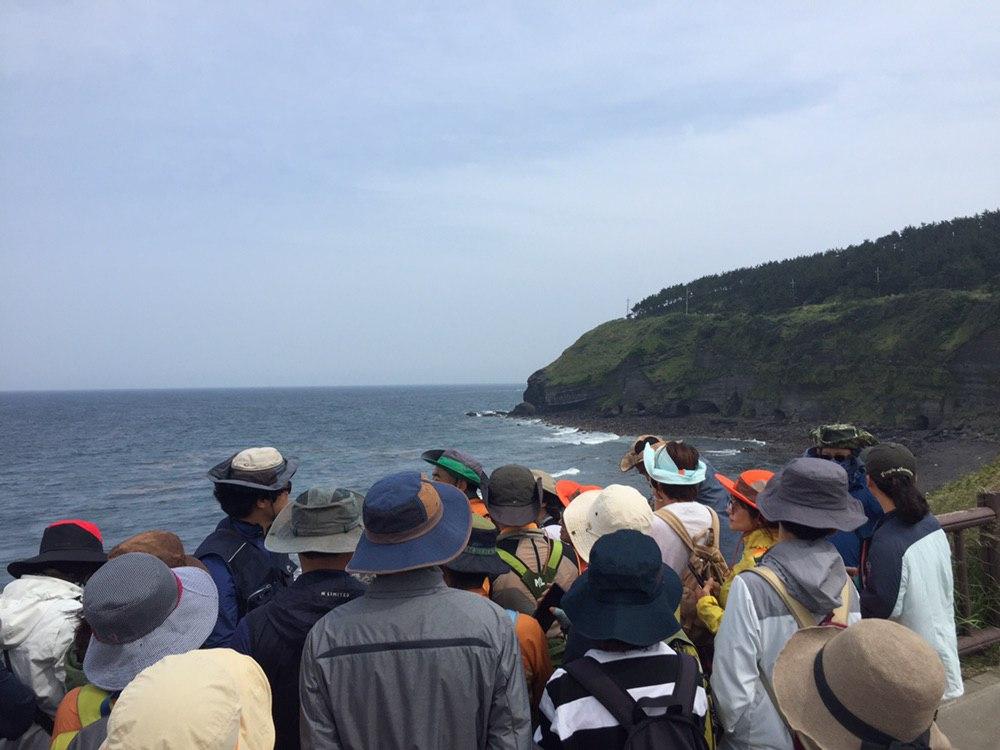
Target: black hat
480,556
884,460
69,541
627,594
513,496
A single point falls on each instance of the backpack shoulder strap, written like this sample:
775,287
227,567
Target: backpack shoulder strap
678,526
715,528
685,687
840,615
555,557
587,671
802,615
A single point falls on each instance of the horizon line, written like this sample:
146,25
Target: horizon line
116,389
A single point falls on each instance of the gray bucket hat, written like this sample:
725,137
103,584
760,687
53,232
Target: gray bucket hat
318,520
811,492
140,611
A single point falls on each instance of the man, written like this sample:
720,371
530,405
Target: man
413,663
459,470
252,487
800,582
323,527
514,501
842,444
472,571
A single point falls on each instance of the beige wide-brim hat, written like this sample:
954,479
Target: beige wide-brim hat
633,456
884,674
596,513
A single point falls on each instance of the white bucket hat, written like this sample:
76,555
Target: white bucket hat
595,513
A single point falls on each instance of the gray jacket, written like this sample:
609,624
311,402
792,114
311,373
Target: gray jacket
414,664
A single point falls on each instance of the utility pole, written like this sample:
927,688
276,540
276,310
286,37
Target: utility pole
628,306
687,297
793,291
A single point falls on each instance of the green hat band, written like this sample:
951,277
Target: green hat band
458,468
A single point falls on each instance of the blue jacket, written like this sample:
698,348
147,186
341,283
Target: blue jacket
270,573
906,577
17,706
848,543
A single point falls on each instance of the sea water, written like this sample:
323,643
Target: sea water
136,460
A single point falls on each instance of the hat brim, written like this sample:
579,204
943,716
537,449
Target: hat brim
515,515
281,538
113,666
443,543
218,475
575,521
775,507
730,487
800,701
636,624
38,563
489,566
470,475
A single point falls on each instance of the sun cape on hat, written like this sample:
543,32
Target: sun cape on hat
876,684
596,513
747,486
410,523
318,520
140,611
69,542
811,492
627,594
458,463
260,468
661,467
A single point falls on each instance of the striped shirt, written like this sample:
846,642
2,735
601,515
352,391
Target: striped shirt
572,718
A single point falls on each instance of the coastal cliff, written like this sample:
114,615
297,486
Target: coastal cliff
919,348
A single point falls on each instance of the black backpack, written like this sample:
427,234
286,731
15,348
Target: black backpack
677,729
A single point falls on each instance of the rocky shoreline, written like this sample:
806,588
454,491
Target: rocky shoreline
944,454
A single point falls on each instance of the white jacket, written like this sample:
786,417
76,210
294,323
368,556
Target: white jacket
38,619
757,625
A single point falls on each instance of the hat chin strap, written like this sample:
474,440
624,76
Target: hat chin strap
871,738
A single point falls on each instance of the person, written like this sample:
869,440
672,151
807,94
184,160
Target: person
39,614
874,685
595,513
440,667
252,487
139,610
472,571
460,470
842,444
710,492
166,546
514,501
801,581
550,517
759,535
17,705
212,699
906,568
322,526
624,603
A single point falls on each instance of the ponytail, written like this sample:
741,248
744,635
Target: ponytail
901,487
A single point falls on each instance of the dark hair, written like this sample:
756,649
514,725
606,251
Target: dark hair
614,646
323,555
758,519
74,572
238,501
807,533
463,580
81,639
911,505
552,505
686,457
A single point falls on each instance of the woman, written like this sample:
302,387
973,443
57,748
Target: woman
759,535
906,565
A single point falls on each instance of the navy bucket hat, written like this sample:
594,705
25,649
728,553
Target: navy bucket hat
410,523
627,594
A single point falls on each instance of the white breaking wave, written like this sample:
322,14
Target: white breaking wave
567,473
574,436
724,452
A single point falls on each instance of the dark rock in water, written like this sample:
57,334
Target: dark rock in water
523,409
487,413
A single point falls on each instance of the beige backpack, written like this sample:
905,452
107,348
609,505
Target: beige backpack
705,560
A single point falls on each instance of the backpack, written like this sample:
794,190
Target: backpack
676,729
705,561
803,617
540,582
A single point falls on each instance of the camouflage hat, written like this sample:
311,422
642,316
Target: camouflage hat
842,436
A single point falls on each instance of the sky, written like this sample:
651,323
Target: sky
310,193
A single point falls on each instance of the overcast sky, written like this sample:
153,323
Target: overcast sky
315,193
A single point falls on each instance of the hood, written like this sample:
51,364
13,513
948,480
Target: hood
813,572
31,601
224,697
306,601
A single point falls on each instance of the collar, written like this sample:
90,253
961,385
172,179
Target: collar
247,530
521,531
411,583
760,538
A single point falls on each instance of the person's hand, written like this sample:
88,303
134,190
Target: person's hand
708,589
852,572
561,618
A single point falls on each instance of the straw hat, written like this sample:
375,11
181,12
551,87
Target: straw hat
875,682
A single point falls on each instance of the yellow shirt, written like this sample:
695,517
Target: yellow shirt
755,544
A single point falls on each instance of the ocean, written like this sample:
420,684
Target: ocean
136,460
